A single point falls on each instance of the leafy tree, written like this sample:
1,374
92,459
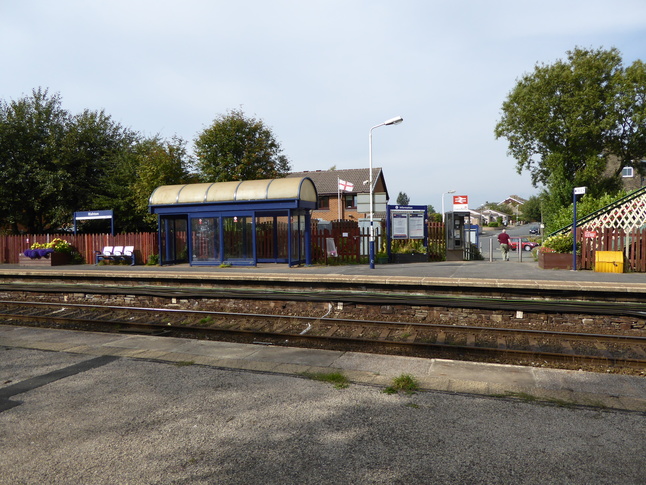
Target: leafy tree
53,163
236,147
158,162
94,144
402,199
33,176
531,210
563,121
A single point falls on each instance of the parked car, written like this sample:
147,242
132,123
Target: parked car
534,230
526,244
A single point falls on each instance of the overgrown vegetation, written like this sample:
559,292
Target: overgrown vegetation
404,383
337,379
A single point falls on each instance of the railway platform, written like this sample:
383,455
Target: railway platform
558,386
561,387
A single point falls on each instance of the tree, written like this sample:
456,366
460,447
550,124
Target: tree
402,199
531,209
235,147
158,162
563,121
53,163
33,177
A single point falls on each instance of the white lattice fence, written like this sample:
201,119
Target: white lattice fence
628,216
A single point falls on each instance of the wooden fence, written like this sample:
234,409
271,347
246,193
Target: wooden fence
145,244
350,242
631,243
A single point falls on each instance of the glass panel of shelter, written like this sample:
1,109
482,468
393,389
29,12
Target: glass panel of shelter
173,248
230,238
205,239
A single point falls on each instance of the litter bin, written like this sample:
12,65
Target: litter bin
609,262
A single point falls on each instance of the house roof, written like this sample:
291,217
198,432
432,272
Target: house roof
514,198
327,181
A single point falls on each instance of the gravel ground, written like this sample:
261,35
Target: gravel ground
142,422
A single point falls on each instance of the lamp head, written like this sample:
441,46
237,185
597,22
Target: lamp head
451,192
394,121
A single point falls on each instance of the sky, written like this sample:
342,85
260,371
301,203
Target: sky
319,74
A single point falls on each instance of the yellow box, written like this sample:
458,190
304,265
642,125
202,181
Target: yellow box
609,261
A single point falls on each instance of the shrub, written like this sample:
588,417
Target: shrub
560,243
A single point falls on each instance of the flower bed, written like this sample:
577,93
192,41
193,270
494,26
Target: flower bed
556,253
557,260
53,259
55,253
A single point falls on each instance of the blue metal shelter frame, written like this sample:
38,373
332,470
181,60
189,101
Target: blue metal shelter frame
237,223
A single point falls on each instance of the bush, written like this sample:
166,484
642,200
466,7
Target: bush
561,243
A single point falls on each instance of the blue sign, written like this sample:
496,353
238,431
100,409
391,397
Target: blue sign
93,215
84,216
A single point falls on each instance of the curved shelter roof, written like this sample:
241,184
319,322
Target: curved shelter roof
301,188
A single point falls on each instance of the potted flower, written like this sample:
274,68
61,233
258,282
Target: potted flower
556,252
54,253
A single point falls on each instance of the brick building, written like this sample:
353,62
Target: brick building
329,194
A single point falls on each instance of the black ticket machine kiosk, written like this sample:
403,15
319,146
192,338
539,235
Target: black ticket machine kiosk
456,237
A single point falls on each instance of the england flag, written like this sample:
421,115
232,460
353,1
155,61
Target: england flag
345,186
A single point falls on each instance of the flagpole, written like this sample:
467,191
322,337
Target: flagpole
338,193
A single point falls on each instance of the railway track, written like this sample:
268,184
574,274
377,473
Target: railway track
406,338
552,304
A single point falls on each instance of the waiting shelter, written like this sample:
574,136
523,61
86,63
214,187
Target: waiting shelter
237,223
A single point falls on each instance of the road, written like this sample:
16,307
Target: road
490,237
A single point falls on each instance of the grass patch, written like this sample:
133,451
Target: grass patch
529,398
337,379
206,320
405,383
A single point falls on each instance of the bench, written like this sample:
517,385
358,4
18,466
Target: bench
116,254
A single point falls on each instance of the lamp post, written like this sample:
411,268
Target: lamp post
392,121
449,192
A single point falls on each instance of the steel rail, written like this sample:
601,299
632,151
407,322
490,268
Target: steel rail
278,337
632,339
634,309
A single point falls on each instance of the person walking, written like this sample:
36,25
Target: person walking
503,239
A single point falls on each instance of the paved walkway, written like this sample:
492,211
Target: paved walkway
556,386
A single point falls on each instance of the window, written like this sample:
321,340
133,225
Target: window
627,172
324,202
350,201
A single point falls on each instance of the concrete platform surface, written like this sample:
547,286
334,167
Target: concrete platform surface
550,385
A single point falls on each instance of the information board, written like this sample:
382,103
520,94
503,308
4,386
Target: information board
407,222
400,225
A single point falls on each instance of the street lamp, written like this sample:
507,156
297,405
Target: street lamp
449,192
392,121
